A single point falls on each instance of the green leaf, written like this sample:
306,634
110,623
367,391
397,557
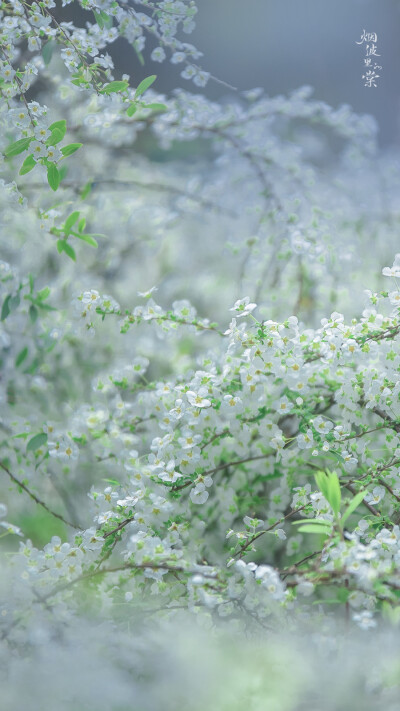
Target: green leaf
33,313
14,149
37,441
99,19
5,309
89,239
343,594
138,54
10,303
21,356
28,165
145,85
58,130
14,302
71,148
334,455
314,529
46,307
60,125
43,294
131,110
115,86
63,170
63,246
108,21
322,483
86,190
335,494
328,484
102,19
353,505
156,107
53,176
81,224
70,221
55,137
314,522
47,51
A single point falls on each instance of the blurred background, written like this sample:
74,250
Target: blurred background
280,45
283,44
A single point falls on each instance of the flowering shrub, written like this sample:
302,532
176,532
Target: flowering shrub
218,455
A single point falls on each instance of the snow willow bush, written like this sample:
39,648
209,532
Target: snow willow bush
189,423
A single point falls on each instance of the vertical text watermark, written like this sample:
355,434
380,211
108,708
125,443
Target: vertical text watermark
370,58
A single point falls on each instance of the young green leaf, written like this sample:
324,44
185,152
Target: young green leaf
63,170
328,484
63,246
156,107
5,309
37,441
306,528
33,313
99,19
60,125
43,294
21,356
55,137
58,130
335,494
70,221
353,505
28,165
322,483
334,455
86,190
53,176
145,85
47,51
89,239
317,522
14,301
138,54
132,108
14,149
115,86
70,149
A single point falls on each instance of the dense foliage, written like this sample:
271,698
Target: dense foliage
199,361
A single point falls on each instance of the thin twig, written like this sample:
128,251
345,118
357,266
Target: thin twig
36,498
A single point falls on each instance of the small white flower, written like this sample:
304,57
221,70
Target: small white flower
147,294
364,619
391,271
305,441
199,495
38,149
394,298
178,57
158,54
243,307
169,474
280,533
322,425
376,496
198,399
53,154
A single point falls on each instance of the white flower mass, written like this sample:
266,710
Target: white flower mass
199,475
